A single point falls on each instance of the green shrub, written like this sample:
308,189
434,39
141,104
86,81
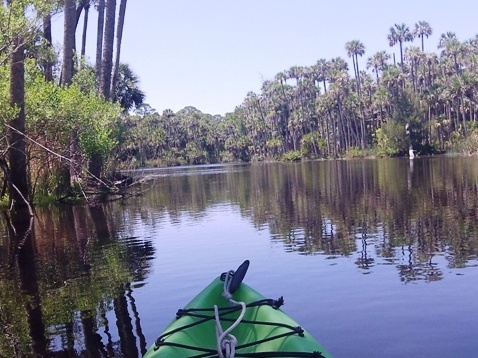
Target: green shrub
292,156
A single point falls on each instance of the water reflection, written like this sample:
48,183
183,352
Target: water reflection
399,212
68,277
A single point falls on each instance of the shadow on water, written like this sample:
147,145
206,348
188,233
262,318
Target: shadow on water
67,285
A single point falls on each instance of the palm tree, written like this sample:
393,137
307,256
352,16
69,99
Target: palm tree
99,38
380,106
127,91
107,61
322,68
340,85
75,167
431,62
393,79
422,29
68,41
338,64
415,58
471,46
400,33
48,64
452,49
354,49
119,36
295,72
378,63
458,91
86,6
97,160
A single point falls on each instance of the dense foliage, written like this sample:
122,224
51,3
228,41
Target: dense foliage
58,117
425,101
81,125
53,113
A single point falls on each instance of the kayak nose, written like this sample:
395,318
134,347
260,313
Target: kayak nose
237,276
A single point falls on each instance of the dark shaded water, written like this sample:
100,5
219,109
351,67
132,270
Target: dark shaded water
375,258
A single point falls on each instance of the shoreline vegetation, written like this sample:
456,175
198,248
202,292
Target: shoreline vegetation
69,126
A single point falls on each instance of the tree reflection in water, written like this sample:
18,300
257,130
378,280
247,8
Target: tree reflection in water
67,287
380,211
68,273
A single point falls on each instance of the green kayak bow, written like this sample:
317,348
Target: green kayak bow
230,319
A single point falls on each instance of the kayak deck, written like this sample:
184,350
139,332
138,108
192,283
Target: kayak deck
264,331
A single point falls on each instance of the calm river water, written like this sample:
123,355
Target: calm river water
376,258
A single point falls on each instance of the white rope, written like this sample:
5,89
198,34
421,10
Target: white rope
226,342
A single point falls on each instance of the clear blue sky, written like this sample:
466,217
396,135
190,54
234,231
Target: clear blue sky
210,53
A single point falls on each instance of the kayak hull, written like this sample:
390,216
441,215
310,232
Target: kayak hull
203,335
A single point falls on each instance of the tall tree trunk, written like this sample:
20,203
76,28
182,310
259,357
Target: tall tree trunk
48,66
107,63
66,77
119,37
68,41
463,115
358,75
85,28
83,4
354,64
99,38
401,54
16,134
104,64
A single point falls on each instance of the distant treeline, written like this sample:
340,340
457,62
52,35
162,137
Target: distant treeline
69,125
422,99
